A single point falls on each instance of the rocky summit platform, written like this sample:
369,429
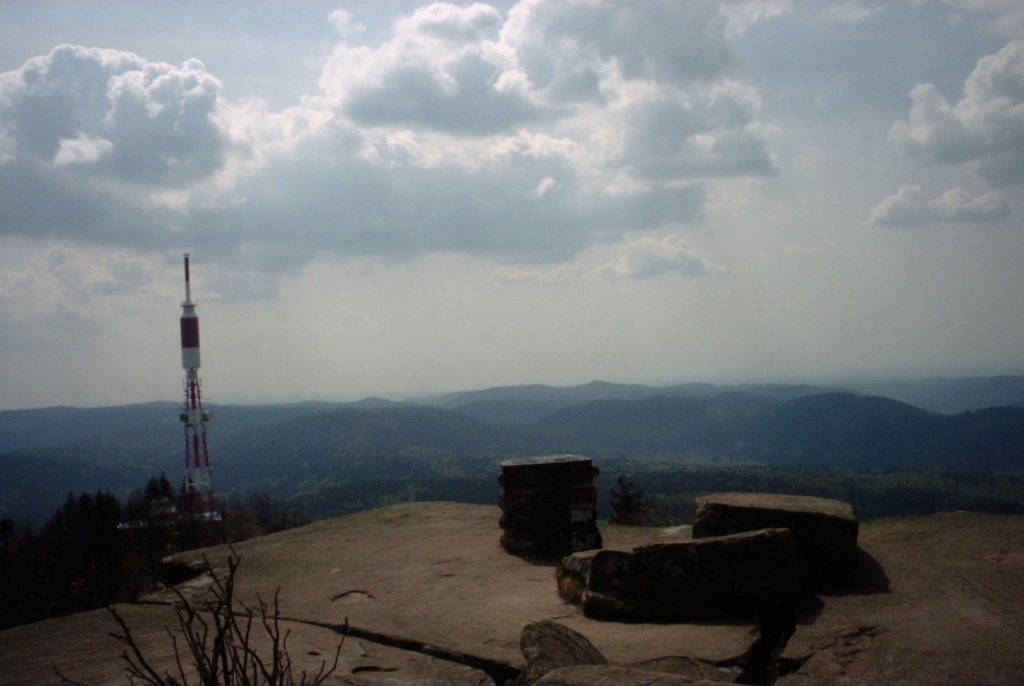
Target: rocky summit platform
432,598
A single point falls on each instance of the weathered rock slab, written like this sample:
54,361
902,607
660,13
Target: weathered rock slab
824,530
616,676
548,646
682,581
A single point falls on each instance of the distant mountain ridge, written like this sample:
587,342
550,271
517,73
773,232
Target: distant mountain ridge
376,447
516,404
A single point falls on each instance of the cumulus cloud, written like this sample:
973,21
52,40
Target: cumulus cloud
713,132
910,207
984,128
440,70
344,24
555,41
141,121
547,185
65,279
649,256
526,138
93,137
740,16
81,150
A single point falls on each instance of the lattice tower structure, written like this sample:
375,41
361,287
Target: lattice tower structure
199,497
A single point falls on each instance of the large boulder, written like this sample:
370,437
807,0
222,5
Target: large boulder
548,645
824,530
683,581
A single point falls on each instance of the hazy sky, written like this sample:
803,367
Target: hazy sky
394,198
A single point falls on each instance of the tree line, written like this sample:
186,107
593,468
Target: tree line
96,550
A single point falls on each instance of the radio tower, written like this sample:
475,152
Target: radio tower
198,490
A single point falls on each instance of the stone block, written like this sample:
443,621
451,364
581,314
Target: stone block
547,471
824,530
548,505
683,581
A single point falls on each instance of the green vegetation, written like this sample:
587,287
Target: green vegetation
338,459
314,461
669,490
628,504
95,551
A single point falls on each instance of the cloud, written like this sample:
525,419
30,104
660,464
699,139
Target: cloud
555,41
546,185
713,132
93,138
122,117
65,279
452,23
440,70
849,12
910,207
525,138
648,256
984,128
1007,15
740,16
81,150
344,24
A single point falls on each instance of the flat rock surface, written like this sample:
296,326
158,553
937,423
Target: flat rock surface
434,573
788,503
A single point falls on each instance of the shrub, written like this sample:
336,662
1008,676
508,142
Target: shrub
215,644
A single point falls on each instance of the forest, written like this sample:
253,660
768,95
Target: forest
95,550
71,500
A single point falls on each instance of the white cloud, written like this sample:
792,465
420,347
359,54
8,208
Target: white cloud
741,16
101,141
1007,15
149,123
984,128
910,207
81,150
64,280
649,256
547,185
703,132
849,12
558,41
452,23
344,24
444,133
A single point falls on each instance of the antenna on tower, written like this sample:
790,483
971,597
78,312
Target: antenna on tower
199,500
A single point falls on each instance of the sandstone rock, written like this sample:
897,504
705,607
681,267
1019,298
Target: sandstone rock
548,646
683,581
694,668
616,676
824,530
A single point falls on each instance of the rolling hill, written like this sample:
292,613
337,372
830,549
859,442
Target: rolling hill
359,453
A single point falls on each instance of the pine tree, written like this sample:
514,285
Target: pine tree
628,504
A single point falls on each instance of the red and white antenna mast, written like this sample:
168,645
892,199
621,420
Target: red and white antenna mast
198,488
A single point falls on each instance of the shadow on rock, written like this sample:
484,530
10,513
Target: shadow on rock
867,578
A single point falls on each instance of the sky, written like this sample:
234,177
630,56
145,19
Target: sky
396,198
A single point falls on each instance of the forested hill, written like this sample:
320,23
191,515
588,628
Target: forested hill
322,451
513,404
